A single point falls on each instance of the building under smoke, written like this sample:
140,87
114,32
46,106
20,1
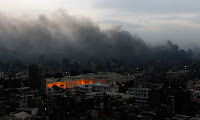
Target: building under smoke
36,78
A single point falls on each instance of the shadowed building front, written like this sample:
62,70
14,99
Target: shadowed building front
36,78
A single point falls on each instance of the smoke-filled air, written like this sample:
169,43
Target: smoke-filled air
67,35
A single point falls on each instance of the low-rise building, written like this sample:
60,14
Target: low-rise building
141,94
96,86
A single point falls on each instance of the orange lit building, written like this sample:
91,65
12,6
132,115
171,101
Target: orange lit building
73,83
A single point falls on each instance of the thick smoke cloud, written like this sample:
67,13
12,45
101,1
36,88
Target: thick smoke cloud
67,35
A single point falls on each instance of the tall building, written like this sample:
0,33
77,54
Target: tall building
41,59
3,108
36,78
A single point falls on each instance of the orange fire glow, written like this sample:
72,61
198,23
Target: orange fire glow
73,83
190,89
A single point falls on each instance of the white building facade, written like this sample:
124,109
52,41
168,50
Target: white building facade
96,87
141,94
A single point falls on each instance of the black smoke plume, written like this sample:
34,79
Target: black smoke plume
65,35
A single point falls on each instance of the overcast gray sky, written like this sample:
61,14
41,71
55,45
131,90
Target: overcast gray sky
153,20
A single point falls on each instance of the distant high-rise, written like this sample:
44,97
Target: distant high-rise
36,78
41,59
2,48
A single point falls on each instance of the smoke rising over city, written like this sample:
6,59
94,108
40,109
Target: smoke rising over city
67,35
